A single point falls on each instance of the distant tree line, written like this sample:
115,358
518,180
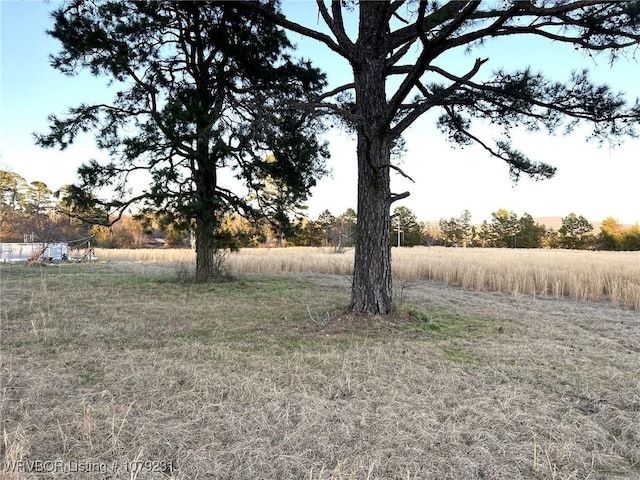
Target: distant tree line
32,212
507,230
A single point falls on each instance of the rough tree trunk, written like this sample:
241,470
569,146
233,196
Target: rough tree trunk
206,266
205,208
372,289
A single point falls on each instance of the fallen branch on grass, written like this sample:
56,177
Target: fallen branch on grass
318,319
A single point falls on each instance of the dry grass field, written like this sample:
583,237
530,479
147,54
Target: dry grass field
119,369
578,275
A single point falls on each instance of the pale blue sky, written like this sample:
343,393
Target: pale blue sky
591,181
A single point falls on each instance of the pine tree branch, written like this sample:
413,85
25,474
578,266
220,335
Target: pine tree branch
574,105
394,197
517,162
335,24
284,22
434,99
399,170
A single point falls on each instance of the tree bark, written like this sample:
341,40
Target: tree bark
372,286
206,267
206,207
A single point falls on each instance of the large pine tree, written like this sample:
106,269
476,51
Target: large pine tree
202,87
397,52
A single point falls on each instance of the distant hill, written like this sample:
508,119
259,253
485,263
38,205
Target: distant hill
554,222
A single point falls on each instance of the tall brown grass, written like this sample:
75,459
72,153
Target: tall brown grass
579,275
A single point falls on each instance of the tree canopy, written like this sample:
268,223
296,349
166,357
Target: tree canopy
573,231
201,87
397,55
457,231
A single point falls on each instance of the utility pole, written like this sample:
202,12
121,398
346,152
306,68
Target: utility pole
397,215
